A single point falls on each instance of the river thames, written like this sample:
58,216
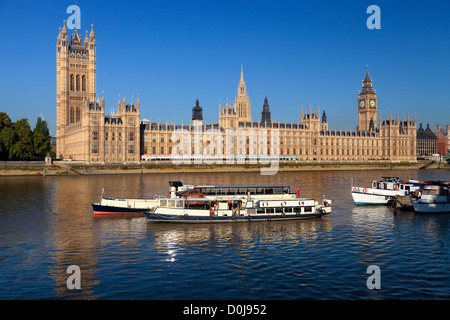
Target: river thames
47,225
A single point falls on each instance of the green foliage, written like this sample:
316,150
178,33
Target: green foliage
22,149
41,144
18,142
42,127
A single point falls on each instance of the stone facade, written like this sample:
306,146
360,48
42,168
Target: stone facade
85,133
389,139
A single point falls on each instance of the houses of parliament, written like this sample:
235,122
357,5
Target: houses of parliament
86,133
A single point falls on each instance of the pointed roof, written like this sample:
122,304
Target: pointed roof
242,73
367,84
197,111
367,77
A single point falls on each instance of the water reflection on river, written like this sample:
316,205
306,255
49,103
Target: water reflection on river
46,224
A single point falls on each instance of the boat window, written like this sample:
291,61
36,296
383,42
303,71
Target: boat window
308,209
279,210
286,190
163,203
261,211
385,186
259,190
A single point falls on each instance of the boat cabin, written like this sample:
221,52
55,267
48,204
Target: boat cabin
394,183
242,190
202,203
435,192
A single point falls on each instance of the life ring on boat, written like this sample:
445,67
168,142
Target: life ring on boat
355,189
365,190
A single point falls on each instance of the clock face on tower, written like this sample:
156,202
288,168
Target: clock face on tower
372,103
361,104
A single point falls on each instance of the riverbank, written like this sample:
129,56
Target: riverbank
29,168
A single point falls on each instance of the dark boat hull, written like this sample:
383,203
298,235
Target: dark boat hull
154,217
110,210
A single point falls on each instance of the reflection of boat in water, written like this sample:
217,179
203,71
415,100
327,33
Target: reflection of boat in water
235,209
434,199
113,206
383,191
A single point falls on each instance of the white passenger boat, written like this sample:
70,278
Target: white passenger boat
119,206
235,209
383,191
434,199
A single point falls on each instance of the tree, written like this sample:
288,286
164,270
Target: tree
22,149
42,127
7,136
41,144
41,139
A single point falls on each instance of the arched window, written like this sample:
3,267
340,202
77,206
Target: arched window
72,115
83,84
72,83
78,115
78,83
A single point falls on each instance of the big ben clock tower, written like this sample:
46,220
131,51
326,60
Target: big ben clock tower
367,106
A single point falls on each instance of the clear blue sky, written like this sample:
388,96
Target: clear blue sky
295,52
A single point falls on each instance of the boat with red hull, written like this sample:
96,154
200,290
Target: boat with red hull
193,196
101,210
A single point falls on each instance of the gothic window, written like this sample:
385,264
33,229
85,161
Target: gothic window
83,84
131,136
95,135
72,115
78,83
72,88
78,115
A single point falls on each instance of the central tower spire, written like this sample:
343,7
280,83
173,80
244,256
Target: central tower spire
242,102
